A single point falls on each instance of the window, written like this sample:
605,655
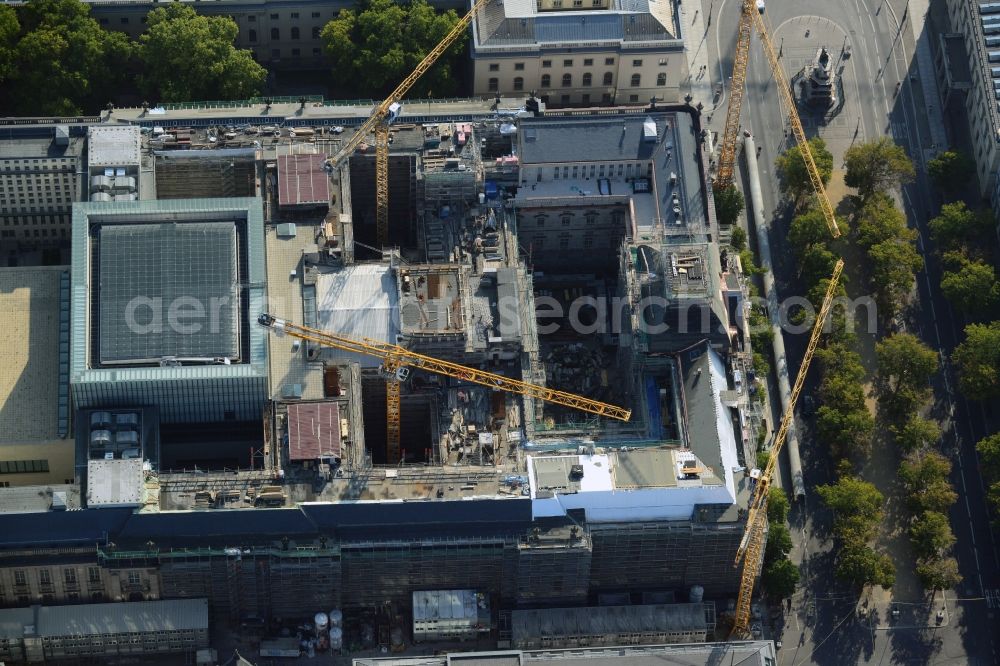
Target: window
252,35
20,578
662,62
578,3
295,52
566,219
635,80
588,241
134,578
124,20
546,64
564,99
295,33
563,241
494,84
315,32
70,576
586,99
633,98
609,61
518,83
315,14
637,63
608,77
518,66
275,33
23,466
494,67
587,79
567,63
556,4
274,17
317,51
295,15
251,19
102,21
588,62
567,80
661,79
44,577
94,574
546,80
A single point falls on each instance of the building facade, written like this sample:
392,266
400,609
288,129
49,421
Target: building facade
41,172
580,52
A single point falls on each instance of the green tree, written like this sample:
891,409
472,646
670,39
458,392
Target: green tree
978,361
860,566
793,168
64,62
876,166
916,433
9,30
957,228
383,42
925,480
989,455
187,56
931,535
777,505
779,542
951,171
939,574
738,239
850,497
893,264
970,286
780,579
729,203
905,361
808,228
845,432
879,220
817,263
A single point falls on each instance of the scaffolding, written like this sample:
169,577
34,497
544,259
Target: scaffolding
205,177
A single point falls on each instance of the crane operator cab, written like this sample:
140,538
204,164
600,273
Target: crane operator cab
760,6
395,109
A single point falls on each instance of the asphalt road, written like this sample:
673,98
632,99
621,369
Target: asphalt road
823,626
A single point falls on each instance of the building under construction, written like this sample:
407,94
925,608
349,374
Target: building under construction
574,252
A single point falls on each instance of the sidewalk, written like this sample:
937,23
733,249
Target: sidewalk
695,34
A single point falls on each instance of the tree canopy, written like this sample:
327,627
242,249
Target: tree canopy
925,480
187,56
877,166
880,220
58,59
383,42
978,361
893,264
951,171
958,228
777,504
808,228
793,167
905,361
780,578
916,433
729,203
931,535
939,574
970,286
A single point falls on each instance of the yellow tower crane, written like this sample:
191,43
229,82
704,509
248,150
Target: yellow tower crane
750,17
397,361
386,112
751,549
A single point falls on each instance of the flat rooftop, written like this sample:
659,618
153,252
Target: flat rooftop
105,619
114,483
735,653
113,146
599,620
360,301
302,181
29,359
148,271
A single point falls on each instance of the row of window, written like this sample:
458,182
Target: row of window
276,53
30,233
23,466
567,81
276,33
124,20
69,575
568,62
538,241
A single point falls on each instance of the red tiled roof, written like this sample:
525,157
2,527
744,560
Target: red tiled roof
313,431
301,180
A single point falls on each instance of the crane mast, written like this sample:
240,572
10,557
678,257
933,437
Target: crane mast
751,550
751,17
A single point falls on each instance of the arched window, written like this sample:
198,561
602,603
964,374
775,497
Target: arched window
295,33
494,84
518,83
275,34
608,76
635,80
567,80
252,34
546,80
587,79
661,79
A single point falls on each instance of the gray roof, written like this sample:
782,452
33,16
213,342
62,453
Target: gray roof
602,620
104,619
359,301
548,141
710,432
737,653
113,145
